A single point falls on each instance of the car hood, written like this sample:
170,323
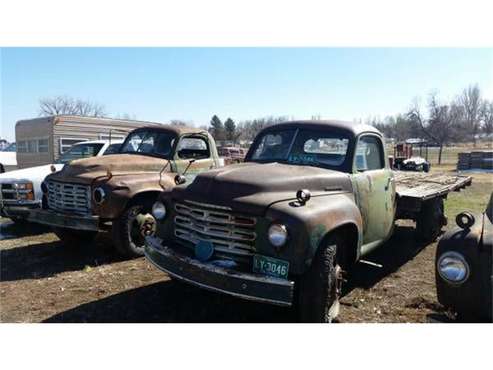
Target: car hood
87,170
252,187
33,174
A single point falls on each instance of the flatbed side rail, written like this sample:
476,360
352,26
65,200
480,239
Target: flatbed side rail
413,188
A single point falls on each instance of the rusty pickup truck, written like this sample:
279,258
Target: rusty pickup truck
115,193
311,199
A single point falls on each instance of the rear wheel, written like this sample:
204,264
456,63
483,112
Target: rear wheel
75,238
430,220
130,230
320,287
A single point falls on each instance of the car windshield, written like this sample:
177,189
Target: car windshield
79,151
150,142
321,148
11,148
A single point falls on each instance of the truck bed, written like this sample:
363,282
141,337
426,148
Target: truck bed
412,188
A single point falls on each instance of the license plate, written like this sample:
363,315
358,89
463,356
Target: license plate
270,266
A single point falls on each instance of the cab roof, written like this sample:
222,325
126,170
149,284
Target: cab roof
178,130
353,128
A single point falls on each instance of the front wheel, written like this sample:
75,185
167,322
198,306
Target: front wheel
320,287
130,230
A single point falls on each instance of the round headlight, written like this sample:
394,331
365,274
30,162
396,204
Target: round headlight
159,210
453,267
98,195
278,235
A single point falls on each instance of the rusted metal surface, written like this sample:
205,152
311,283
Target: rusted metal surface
358,205
124,177
474,297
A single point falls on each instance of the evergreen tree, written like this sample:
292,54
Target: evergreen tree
230,128
217,128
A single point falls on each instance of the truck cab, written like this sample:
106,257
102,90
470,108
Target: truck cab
116,193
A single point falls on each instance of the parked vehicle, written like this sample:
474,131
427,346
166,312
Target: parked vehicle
116,193
43,140
311,199
405,160
20,190
464,266
8,161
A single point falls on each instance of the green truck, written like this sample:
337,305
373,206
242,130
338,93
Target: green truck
311,199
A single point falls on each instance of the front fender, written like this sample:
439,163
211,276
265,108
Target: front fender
121,190
307,226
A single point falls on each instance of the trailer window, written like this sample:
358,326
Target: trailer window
43,146
22,147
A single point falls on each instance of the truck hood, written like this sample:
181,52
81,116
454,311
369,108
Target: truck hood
86,170
252,187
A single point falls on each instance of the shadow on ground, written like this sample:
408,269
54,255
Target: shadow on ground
395,253
48,259
13,230
171,301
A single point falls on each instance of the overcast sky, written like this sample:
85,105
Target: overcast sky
160,84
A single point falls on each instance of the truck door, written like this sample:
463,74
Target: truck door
194,152
374,189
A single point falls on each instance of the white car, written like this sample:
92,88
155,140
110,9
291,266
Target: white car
8,158
20,190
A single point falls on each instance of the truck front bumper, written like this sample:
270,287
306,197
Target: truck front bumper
17,210
209,276
62,220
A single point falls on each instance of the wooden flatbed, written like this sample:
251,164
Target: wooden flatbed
414,188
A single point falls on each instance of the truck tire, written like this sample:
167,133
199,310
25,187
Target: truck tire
430,220
129,230
74,238
319,288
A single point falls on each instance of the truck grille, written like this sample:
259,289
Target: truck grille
70,198
232,236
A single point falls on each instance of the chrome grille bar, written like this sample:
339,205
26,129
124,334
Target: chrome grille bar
230,234
67,197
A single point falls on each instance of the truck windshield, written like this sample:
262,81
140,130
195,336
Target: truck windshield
153,143
321,148
80,151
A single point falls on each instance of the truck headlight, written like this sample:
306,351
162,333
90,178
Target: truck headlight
159,210
98,195
278,235
453,267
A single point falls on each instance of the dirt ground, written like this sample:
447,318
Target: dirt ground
43,281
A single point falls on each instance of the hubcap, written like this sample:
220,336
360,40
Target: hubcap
142,225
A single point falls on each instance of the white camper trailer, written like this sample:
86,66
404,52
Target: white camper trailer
42,140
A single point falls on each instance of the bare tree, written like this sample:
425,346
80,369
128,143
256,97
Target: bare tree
179,122
441,122
486,117
470,100
67,105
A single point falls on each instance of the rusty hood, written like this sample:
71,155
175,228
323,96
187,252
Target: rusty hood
88,169
252,187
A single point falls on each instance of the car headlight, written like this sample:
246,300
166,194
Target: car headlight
453,267
98,195
24,186
278,235
159,210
